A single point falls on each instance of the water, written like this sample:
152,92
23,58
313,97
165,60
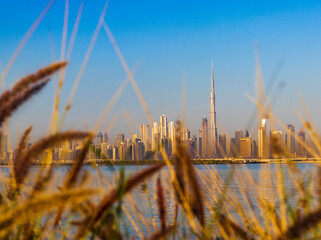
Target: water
141,211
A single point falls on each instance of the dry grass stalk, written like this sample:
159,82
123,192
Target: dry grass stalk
86,58
161,202
113,196
38,76
129,73
12,105
29,80
73,174
23,164
24,41
231,228
302,225
22,144
41,204
161,234
187,178
41,182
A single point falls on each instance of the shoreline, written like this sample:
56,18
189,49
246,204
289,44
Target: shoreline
194,161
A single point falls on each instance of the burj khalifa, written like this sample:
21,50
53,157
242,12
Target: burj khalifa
212,143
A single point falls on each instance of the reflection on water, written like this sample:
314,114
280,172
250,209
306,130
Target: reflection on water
242,181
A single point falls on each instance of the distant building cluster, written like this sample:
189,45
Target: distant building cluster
163,135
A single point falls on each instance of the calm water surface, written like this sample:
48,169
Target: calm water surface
141,204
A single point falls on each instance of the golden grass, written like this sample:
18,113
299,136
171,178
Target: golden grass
34,207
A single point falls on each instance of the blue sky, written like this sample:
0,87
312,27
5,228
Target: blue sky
172,41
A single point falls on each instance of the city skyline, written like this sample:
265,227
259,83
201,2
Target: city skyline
170,49
209,144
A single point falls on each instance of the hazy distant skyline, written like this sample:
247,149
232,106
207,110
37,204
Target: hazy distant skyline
173,41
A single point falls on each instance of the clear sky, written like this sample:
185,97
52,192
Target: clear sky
172,41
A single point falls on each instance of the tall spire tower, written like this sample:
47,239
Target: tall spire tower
212,124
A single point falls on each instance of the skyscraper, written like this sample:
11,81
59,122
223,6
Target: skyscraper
301,148
212,145
263,141
245,147
99,138
163,127
145,135
155,137
172,135
4,146
203,135
105,140
222,145
276,143
238,136
290,140
119,139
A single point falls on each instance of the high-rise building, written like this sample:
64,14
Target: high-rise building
105,140
140,150
222,145
200,144
155,137
119,139
145,135
238,136
246,133
122,151
115,153
172,136
254,149
245,147
276,143
301,148
163,127
4,146
263,140
290,140
100,138
212,141
103,148
186,134
232,147
203,134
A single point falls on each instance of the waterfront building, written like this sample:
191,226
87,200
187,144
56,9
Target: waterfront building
105,139
103,148
155,136
232,147
245,147
119,139
133,151
300,146
4,146
263,140
172,136
276,144
254,149
222,145
122,151
238,136
290,140
212,130
145,135
140,150
115,153
203,134
186,134
163,127
199,146
100,138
